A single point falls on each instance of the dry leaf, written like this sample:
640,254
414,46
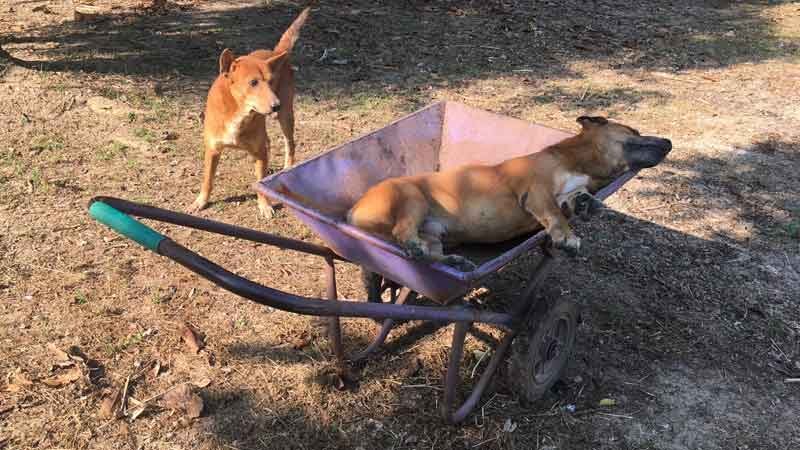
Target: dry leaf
65,377
182,398
153,373
202,382
109,408
191,338
141,407
138,412
61,355
18,381
299,342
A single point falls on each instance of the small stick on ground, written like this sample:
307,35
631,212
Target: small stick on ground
123,405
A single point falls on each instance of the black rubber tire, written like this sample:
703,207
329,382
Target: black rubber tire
540,352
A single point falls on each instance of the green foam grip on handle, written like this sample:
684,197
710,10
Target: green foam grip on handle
126,225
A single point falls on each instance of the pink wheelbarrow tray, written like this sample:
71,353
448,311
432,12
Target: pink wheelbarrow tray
319,192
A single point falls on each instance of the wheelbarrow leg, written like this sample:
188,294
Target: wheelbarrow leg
452,379
384,328
519,309
334,327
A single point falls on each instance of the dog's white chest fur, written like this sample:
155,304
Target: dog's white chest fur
233,127
568,183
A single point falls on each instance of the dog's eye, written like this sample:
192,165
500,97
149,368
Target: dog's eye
254,82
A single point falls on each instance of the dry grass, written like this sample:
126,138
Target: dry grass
691,320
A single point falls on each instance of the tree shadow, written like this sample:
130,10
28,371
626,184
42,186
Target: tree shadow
655,301
238,419
406,46
755,184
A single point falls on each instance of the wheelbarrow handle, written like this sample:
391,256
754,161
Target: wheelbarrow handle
104,211
126,225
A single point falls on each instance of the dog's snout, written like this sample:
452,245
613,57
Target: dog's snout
276,106
667,145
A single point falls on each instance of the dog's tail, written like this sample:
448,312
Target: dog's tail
293,32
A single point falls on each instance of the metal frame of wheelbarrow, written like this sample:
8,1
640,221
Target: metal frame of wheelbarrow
114,213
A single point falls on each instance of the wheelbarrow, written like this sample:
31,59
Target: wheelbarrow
319,191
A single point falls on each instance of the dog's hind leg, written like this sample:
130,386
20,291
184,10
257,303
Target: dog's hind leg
432,233
286,120
436,253
409,217
261,163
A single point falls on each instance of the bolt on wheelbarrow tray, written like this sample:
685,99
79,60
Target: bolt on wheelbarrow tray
321,190
439,137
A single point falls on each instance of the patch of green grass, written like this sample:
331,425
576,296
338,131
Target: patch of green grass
10,160
37,181
160,108
46,143
110,92
241,323
776,329
368,101
114,150
143,133
125,343
793,229
58,87
132,164
81,298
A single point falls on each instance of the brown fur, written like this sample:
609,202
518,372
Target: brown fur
247,89
488,204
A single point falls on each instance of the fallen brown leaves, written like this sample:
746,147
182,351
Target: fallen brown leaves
17,381
182,398
192,338
64,377
67,367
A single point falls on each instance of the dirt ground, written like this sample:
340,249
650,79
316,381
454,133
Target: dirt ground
689,285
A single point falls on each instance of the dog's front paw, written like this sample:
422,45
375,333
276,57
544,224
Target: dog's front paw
198,205
570,245
460,263
265,210
586,205
414,250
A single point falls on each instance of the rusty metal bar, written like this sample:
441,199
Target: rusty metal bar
453,364
334,325
383,329
471,401
519,311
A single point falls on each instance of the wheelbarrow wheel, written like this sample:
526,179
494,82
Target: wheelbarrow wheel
541,350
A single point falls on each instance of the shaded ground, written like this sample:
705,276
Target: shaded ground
689,289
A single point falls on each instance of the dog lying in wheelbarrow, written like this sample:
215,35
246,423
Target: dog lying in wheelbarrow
490,204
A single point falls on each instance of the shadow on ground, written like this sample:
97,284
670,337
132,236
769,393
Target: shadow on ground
403,47
665,313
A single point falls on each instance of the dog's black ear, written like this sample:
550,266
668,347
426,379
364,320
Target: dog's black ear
586,121
225,61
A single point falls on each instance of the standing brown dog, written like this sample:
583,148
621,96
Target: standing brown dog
248,89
